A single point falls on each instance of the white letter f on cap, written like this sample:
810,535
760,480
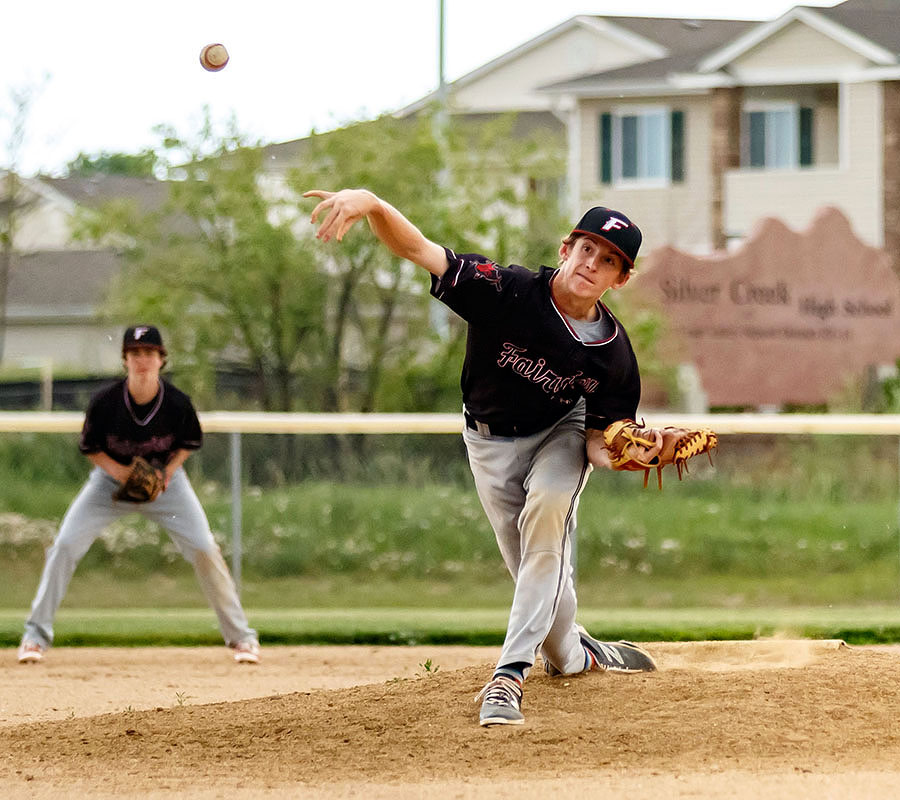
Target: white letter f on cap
614,223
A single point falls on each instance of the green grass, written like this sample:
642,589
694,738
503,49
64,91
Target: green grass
785,534
404,626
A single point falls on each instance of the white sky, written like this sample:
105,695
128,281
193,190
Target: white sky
108,71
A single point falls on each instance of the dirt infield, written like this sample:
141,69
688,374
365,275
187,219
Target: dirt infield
772,719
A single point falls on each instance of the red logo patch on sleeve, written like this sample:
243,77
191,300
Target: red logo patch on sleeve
489,272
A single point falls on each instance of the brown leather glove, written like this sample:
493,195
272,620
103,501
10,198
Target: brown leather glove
143,485
628,443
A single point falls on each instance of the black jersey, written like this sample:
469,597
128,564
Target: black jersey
525,366
116,425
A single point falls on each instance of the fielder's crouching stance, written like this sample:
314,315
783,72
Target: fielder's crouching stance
138,433
547,369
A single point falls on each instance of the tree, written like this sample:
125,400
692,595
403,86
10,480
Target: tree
220,267
477,187
230,265
377,305
14,200
139,165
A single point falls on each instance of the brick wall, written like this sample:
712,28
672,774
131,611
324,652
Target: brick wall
726,154
892,172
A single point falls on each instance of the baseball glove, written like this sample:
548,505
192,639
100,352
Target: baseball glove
144,483
625,441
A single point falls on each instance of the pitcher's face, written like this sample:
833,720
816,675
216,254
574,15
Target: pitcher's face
590,267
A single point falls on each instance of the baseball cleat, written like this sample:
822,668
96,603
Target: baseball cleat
246,653
30,653
502,702
550,669
616,656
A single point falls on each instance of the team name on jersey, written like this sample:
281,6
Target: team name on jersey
536,370
129,449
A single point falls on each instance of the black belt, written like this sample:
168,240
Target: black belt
484,429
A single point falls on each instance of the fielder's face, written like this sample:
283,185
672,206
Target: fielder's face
143,362
590,267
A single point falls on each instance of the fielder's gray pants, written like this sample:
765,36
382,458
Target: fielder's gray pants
529,487
178,510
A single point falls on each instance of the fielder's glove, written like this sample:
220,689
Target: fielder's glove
144,483
628,443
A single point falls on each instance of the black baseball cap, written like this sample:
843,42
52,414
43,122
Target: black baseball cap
143,336
613,227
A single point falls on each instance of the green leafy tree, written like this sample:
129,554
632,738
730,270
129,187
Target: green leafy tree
231,268
891,393
378,304
14,199
475,187
222,270
139,165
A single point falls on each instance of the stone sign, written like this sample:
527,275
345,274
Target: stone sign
788,318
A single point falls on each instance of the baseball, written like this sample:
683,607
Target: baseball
214,57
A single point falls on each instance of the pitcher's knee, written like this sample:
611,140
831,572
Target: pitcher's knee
547,510
66,550
555,491
207,558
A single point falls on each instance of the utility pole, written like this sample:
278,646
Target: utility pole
438,313
442,81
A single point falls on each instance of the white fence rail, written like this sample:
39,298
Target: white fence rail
253,422
237,423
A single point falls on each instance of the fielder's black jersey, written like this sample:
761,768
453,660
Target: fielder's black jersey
114,424
525,366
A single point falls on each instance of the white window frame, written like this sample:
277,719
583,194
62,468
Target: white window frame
767,108
643,147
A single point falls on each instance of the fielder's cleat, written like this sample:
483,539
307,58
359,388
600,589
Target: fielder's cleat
246,653
502,701
616,656
30,653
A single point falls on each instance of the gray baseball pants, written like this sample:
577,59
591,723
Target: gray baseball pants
178,510
529,487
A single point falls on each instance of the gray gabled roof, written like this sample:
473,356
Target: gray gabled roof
644,74
60,282
876,20
688,42
148,194
683,35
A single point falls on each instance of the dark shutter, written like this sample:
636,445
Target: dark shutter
806,137
606,148
677,146
756,125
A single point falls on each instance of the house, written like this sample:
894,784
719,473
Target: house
57,283
761,160
699,128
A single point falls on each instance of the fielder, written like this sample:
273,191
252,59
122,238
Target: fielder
548,369
138,434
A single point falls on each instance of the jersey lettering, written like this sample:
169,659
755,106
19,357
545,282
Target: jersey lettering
539,373
115,445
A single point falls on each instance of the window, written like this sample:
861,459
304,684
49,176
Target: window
776,137
642,145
